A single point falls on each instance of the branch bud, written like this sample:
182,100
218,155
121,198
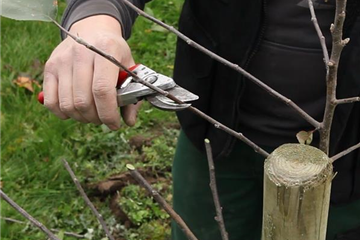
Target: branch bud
345,41
332,27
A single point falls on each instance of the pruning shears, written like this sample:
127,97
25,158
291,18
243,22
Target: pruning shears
130,92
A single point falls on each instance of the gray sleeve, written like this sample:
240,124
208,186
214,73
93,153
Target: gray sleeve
80,9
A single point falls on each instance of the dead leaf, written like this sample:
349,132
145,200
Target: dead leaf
1,184
26,82
305,137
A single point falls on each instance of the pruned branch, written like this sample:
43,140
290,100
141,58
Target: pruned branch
219,216
165,93
161,201
319,33
28,216
338,45
87,200
347,100
70,234
227,63
345,152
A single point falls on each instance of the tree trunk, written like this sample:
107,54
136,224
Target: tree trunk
297,183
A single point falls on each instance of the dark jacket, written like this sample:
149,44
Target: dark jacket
235,32
233,29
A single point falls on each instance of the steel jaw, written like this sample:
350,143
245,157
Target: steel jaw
165,103
131,92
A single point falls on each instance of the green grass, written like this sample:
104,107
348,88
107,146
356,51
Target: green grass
33,141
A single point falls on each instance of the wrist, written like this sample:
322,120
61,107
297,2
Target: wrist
97,22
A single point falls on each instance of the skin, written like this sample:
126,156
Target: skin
79,84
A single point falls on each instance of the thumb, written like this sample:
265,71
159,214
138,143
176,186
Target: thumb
129,113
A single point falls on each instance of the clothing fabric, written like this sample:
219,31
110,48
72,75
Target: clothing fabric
287,47
240,185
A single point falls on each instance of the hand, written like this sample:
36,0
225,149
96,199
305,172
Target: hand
80,84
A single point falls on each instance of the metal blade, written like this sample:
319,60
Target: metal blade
165,103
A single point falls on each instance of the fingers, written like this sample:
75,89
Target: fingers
82,77
51,99
129,113
66,98
104,91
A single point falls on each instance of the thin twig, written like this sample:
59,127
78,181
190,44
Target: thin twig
227,63
348,100
161,201
345,152
319,33
338,45
219,216
70,234
13,220
27,216
165,93
87,200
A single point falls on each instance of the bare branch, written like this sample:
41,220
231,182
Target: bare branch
161,201
345,152
165,93
229,131
227,63
338,45
27,216
70,234
219,217
319,33
348,100
87,200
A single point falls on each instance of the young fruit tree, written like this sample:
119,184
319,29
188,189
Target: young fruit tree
297,177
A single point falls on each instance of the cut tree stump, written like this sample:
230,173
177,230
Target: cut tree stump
297,183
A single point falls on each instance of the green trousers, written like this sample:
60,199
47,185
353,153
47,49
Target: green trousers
240,185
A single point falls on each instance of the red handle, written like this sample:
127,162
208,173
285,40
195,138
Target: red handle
41,97
124,75
121,79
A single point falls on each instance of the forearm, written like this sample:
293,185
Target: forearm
80,9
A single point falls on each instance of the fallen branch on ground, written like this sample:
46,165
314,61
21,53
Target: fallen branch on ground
70,234
161,201
28,216
87,200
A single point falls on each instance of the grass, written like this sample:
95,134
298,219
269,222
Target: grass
33,141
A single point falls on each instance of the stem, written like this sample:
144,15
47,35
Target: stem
87,200
348,100
27,216
164,93
345,152
70,234
331,77
227,63
319,33
219,216
161,201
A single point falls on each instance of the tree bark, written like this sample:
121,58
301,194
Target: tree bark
297,183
